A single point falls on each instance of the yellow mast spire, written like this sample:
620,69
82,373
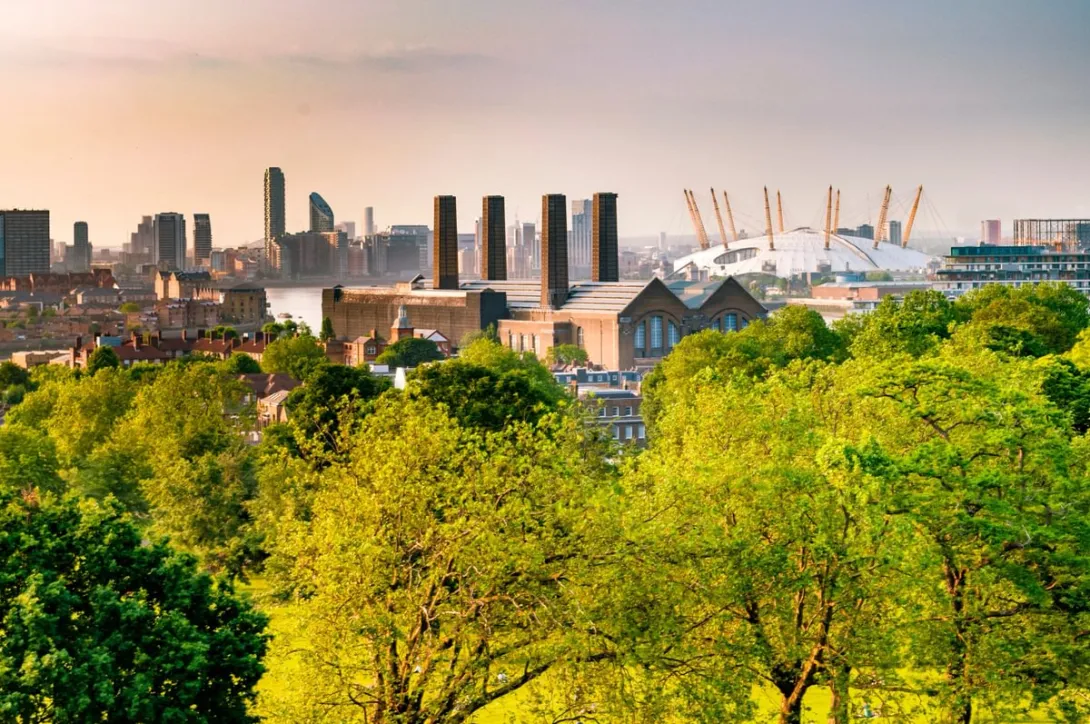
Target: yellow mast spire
719,220
911,217
768,223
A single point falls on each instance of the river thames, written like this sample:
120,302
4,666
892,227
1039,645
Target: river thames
304,304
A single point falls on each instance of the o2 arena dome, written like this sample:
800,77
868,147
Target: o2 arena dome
802,250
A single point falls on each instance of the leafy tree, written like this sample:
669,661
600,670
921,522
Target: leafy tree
410,352
241,363
224,332
913,326
330,392
14,395
129,308
13,374
100,626
489,333
272,328
447,565
85,413
289,327
103,357
28,461
296,356
479,397
567,354
327,330
1042,318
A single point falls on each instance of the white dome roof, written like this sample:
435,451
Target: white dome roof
803,250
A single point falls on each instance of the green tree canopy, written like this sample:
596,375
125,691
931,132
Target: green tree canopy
296,356
326,333
241,363
567,354
330,393
103,357
100,626
410,352
129,308
13,374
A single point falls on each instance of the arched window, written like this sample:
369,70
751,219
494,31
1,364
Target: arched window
673,335
656,332
641,338
715,324
730,322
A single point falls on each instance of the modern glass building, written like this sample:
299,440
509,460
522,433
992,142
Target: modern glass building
321,216
24,242
971,267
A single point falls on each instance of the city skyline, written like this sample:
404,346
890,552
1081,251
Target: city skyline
989,124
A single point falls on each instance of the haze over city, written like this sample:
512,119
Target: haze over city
129,108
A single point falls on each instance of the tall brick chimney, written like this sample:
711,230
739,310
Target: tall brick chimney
605,260
493,239
445,244
554,251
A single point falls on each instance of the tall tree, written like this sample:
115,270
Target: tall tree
410,352
296,356
101,626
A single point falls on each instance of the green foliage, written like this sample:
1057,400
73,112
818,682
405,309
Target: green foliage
99,626
1030,321
913,326
103,357
28,461
461,547
241,363
13,374
410,352
479,397
272,328
296,356
129,308
14,394
489,333
223,332
327,330
330,393
567,354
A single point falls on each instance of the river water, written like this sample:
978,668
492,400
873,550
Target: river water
304,304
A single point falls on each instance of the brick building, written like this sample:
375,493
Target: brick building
621,324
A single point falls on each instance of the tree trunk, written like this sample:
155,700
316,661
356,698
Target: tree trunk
791,710
840,710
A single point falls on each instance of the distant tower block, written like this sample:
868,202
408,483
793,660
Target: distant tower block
493,240
605,260
554,251
445,244
369,221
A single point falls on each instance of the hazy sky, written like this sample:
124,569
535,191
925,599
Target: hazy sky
117,108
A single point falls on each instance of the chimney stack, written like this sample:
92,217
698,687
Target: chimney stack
605,260
445,244
493,239
554,251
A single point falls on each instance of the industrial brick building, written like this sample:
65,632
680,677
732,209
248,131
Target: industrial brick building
621,324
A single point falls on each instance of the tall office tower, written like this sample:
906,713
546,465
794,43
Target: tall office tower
493,247
865,231
445,244
275,220
142,241
662,241
532,245
554,251
202,238
348,227
605,254
321,216
991,231
582,225
894,236
24,242
169,250
81,248
368,222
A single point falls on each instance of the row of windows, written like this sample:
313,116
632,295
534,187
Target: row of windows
603,412
728,323
629,432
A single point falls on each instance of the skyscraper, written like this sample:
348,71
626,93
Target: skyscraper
991,231
81,248
169,249
368,222
445,241
582,223
142,241
24,242
493,248
202,238
895,232
321,216
274,207
554,251
604,251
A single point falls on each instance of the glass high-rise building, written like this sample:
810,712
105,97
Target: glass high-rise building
80,260
202,238
274,207
321,216
582,225
169,249
24,242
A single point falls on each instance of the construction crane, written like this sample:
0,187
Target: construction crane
719,220
879,231
704,243
911,217
779,210
828,218
768,223
730,218
836,214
